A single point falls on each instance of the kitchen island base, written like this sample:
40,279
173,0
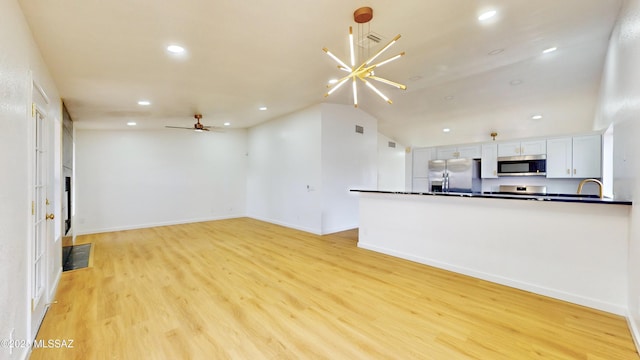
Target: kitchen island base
571,251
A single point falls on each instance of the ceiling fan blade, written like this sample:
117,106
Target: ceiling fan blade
214,128
197,126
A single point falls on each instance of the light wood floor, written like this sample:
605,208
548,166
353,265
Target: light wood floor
245,289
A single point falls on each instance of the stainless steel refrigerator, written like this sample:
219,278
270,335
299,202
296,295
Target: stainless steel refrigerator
454,175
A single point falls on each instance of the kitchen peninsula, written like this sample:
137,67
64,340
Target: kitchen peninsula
570,248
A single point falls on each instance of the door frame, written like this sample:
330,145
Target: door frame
39,102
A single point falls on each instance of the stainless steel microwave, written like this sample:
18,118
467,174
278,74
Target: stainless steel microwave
525,165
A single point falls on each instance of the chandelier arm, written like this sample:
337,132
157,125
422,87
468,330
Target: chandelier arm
355,93
388,82
340,62
382,50
383,96
339,84
389,60
353,56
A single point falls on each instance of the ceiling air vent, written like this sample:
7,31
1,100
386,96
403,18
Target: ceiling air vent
370,40
359,129
374,37
392,144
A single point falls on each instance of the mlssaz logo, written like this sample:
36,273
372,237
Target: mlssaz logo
53,344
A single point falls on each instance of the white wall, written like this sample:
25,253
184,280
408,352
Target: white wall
349,161
391,165
619,105
141,178
18,56
302,166
284,176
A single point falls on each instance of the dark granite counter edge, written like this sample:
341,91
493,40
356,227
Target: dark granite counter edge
574,199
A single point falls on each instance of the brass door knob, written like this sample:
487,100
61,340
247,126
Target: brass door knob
50,216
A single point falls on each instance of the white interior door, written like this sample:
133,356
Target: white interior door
42,231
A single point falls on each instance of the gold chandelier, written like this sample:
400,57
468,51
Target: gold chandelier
366,70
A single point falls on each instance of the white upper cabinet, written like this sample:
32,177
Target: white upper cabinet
459,152
421,159
587,156
575,157
537,147
447,152
509,149
469,152
533,147
559,158
489,163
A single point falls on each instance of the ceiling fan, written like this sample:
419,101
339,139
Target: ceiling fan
197,126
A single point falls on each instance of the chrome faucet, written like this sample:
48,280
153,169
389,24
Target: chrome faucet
590,180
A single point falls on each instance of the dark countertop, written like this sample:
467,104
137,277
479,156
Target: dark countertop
589,199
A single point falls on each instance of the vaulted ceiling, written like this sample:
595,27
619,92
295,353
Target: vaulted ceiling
461,73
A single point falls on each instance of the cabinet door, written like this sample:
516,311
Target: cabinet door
559,158
587,156
470,152
420,185
509,149
489,163
421,159
447,152
537,147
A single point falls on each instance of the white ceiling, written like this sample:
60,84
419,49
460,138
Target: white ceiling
107,55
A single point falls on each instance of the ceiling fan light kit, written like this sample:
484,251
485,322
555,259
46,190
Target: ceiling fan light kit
366,69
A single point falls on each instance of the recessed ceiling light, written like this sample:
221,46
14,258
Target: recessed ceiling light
176,49
496,51
551,49
446,130
515,82
415,78
132,123
144,102
227,124
449,97
262,108
536,117
333,81
487,15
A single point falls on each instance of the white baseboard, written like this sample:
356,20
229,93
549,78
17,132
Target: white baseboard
150,225
339,229
635,332
285,224
306,229
52,290
540,290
